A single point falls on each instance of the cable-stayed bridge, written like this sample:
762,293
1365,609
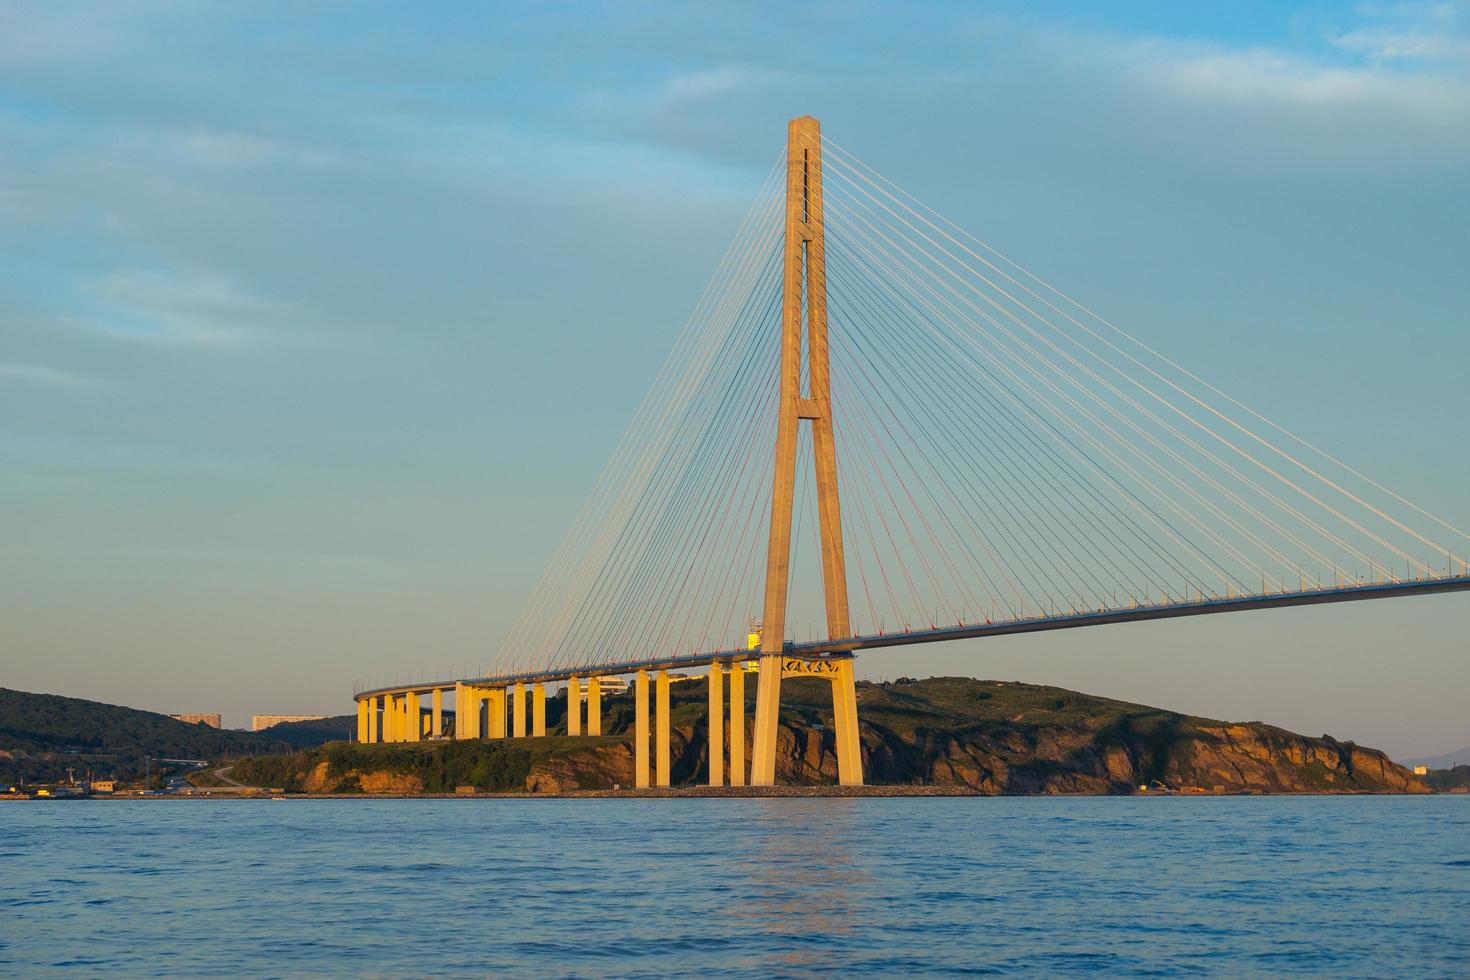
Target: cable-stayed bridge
876,422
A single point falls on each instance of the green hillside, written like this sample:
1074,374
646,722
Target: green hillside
41,735
309,734
988,737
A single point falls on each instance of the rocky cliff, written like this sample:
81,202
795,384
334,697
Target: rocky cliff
988,737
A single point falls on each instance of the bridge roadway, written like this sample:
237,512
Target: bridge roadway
822,649
384,713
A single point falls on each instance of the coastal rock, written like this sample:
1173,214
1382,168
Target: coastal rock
389,782
952,733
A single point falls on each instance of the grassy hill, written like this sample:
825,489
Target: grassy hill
41,735
983,736
306,734
1456,779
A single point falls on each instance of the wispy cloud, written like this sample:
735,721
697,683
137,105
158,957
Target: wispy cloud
38,374
203,309
1265,76
1433,33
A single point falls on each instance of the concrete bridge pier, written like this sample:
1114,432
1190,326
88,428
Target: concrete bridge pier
461,710
594,706
538,710
661,729
640,730
737,724
413,719
716,724
574,705
518,711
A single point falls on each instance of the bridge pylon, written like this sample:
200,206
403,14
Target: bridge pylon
804,313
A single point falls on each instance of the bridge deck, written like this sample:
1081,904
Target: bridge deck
1036,624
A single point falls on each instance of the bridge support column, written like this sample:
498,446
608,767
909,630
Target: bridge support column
362,723
390,718
640,730
538,710
716,751
461,711
737,724
518,711
495,713
574,706
475,726
375,728
767,718
661,729
803,314
413,716
594,706
845,721
436,713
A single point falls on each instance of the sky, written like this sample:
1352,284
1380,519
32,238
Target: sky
318,320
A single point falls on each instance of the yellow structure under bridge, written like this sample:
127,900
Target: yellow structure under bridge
488,708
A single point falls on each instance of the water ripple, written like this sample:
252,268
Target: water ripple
757,888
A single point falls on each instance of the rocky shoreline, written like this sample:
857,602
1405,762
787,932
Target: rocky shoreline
941,736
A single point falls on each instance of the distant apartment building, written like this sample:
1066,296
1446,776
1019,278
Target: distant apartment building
194,718
261,722
607,687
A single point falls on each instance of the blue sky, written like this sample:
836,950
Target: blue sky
318,320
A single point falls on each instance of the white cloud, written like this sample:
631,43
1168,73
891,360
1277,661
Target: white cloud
1265,76
720,81
199,309
1380,45
42,375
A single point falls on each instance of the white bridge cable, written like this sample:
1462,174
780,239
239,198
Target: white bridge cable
698,520
978,416
617,613
537,629
971,424
1237,527
1002,452
910,203
657,535
913,280
654,448
1020,552
881,185
891,249
1107,386
639,445
1021,518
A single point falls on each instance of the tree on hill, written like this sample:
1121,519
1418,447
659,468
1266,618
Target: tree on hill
42,734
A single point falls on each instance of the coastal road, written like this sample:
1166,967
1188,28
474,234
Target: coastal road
220,775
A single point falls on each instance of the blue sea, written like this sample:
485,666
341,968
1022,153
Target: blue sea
1325,886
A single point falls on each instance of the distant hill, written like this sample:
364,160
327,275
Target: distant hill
988,737
1450,780
1447,761
308,734
41,735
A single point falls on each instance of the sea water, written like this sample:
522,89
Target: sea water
1332,886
